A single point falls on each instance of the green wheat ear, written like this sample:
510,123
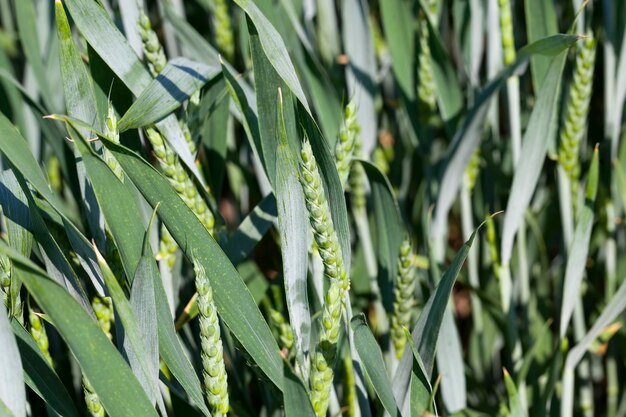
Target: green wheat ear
167,248
471,172
346,143
426,80
151,47
323,359
38,331
112,133
577,109
5,278
180,179
404,297
213,369
506,29
103,307
223,29
285,332
356,179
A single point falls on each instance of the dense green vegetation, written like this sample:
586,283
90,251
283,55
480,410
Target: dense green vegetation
312,208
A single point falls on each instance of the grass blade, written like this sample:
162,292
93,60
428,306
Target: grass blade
467,139
390,231
399,28
540,23
579,248
293,230
542,125
179,79
28,31
361,70
274,49
296,398
101,363
613,309
372,359
12,392
40,376
515,406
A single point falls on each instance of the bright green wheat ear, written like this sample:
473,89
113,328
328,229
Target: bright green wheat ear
404,297
38,331
576,112
223,29
328,244
346,144
180,179
151,46
103,308
112,133
213,369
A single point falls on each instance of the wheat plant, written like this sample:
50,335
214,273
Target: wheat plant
312,208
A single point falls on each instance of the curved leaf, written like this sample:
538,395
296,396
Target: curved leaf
390,231
293,227
372,359
12,391
579,248
39,375
541,126
274,49
111,378
179,79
